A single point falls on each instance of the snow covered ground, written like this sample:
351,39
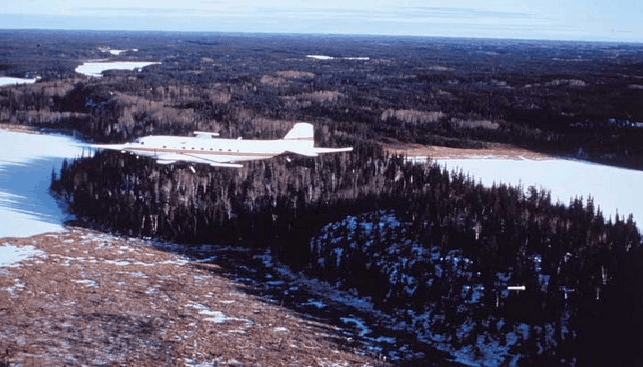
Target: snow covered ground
26,163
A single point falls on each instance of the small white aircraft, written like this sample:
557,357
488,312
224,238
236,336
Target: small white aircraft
206,148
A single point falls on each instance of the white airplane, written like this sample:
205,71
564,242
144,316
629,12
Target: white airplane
206,148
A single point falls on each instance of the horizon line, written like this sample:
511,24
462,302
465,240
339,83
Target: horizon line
268,33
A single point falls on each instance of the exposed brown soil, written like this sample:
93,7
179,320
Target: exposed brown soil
95,299
493,150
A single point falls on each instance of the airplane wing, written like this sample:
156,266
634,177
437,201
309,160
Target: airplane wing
165,161
308,152
212,162
170,158
332,150
183,157
314,152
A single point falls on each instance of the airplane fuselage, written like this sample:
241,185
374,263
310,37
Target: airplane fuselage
229,150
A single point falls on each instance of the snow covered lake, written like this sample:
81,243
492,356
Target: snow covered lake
26,163
96,69
325,57
6,80
612,188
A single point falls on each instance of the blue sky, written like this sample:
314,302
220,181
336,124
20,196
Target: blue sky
599,20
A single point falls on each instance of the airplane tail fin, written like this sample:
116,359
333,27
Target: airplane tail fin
303,133
302,141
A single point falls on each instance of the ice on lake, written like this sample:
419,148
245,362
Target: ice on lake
96,69
325,57
5,80
26,163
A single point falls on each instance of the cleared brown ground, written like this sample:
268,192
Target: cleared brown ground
90,298
19,128
494,150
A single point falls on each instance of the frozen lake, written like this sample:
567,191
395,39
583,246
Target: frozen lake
26,163
96,69
325,57
6,80
612,188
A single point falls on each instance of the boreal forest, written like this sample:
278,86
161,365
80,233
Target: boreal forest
432,248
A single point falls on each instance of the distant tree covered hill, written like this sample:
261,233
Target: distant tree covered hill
580,99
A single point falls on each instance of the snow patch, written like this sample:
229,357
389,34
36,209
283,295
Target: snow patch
87,282
217,317
359,324
315,303
11,255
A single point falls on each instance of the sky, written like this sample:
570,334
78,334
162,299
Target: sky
594,20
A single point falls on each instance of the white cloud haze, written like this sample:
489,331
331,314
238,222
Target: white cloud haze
544,19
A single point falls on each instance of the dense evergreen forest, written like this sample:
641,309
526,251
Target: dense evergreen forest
430,247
